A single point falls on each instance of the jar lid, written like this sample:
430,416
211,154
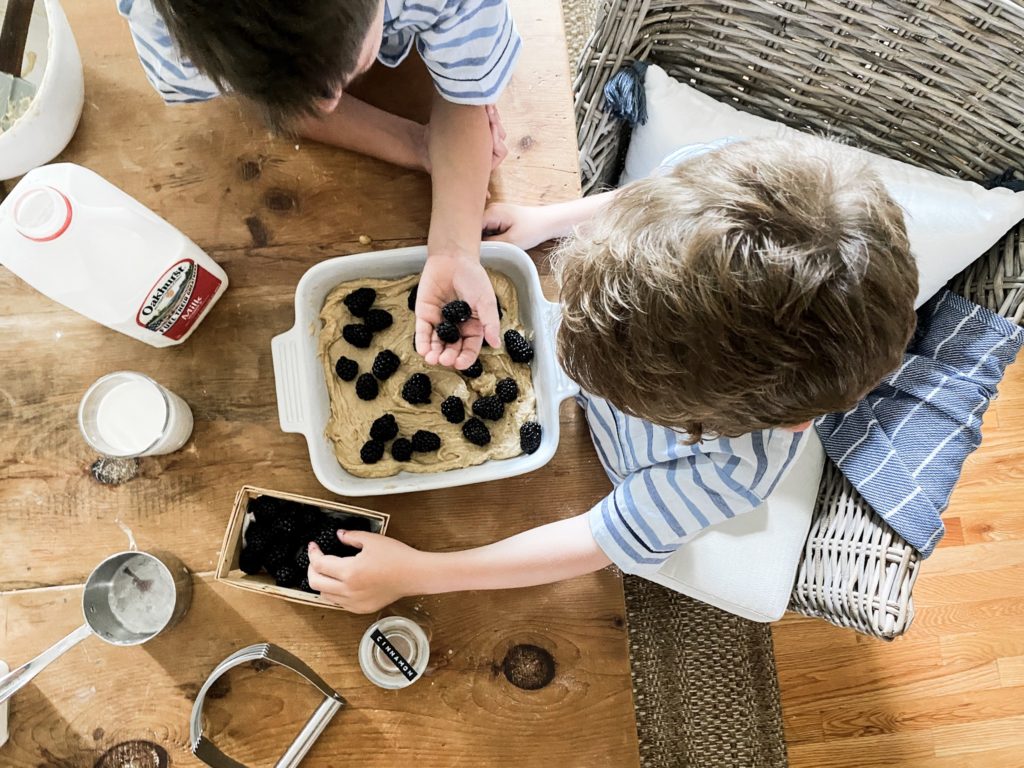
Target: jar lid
394,652
42,214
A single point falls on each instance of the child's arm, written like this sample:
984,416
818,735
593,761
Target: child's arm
363,128
387,570
528,226
460,145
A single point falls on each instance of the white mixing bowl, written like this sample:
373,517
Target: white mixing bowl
53,65
303,403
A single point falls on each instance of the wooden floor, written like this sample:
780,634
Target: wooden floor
950,693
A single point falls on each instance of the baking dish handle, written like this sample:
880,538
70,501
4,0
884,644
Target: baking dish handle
288,381
564,386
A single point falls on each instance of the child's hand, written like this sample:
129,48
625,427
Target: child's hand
379,575
446,278
523,225
499,150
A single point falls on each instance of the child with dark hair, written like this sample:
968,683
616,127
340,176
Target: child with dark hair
294,62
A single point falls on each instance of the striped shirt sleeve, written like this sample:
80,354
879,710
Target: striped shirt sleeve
173,76
656,509
471,50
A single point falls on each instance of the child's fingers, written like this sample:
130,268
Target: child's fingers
499,155
326,585
325,565
468,354
495,117
424,336
450,355
487,326
353,538
495,219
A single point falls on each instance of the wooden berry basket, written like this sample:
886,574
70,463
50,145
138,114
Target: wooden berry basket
227,570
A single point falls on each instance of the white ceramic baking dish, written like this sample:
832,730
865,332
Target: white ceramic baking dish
302,399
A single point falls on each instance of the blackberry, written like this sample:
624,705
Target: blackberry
447,332
302,558
507,390
384,428
287,576
412,297
264,508
456,312
490,408
476,432
360,301
284,528
401,450
378,320
529,436
327,539
385,364
474,370
416,389
304,586
346,369
258,537
372,451
250,561
453,409
277,554
357,335
518,348
306,519
425,442
366,387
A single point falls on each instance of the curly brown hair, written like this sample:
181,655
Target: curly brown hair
759,285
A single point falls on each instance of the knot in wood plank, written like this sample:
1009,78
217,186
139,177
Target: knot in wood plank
529,667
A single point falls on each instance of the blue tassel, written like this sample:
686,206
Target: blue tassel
624,95
1006,179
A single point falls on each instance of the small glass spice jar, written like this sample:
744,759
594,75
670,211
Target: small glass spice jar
394,652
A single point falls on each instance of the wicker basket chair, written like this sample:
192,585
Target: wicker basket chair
936,84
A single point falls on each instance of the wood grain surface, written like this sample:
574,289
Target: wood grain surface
464,708
949,693
267,209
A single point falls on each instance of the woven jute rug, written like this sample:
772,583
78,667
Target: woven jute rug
704,682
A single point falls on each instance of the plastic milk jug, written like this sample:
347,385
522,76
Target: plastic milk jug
77,238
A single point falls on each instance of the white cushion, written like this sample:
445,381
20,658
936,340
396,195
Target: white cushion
747,565
950,222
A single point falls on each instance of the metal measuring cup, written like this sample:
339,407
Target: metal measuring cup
129,598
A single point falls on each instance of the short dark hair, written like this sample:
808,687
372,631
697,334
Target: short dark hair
282,56
759,285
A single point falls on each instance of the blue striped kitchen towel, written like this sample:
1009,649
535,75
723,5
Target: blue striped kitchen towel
903,446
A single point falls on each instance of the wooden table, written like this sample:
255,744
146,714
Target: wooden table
267,209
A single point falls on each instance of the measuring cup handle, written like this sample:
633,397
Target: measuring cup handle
14,681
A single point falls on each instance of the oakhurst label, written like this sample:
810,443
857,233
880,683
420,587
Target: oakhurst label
178,299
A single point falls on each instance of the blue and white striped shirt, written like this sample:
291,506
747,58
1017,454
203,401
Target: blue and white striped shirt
666,491
470,48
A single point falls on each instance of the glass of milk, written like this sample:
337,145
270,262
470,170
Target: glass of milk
127,414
